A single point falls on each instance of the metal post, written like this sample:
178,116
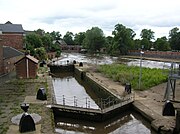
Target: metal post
63,100
74,100
86,102
140,74
89,104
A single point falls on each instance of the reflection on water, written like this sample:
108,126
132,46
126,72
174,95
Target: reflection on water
69,91
126,123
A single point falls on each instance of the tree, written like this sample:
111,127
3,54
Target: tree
40,53
78,38
174,38
162,44
55,35
109,44
94,39
68,38
40,32
47,42
147,34
123,38
33,40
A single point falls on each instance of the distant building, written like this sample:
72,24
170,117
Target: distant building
67,48
8,56
27,67
1,59
11,35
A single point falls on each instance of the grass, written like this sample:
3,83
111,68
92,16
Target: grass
130,74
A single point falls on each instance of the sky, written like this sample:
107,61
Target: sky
80,15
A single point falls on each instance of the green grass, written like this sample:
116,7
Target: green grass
130,74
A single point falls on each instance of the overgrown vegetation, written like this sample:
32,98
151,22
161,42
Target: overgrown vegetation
130,74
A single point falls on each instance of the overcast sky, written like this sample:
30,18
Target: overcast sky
80,15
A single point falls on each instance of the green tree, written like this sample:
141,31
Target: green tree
162,44
55,35
109,44
33,40
40,32
146,44
123,38
94,39
147,34
40,53
174,38
47,42
78,38
68,38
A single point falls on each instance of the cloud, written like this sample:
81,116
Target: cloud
81,15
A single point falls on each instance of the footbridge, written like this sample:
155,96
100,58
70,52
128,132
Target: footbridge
104,108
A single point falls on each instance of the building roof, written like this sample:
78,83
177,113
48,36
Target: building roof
30,58
61,42
11,28
9,52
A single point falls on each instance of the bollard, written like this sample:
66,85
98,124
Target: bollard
74,62
81,64
26,122
41,94
128,88
168,109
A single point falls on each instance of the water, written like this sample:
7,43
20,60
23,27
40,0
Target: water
68,87
104,59
70,91
125,123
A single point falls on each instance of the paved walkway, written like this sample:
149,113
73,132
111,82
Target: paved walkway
149,103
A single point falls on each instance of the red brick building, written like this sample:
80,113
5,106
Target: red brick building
1,59
27,67
11,35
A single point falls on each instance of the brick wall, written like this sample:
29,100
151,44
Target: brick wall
12,40
156,54
1,59
21,69
9,64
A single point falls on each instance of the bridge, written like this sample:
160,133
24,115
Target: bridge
105,107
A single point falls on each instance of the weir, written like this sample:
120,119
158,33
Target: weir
109,103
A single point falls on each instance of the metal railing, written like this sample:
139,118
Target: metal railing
104,105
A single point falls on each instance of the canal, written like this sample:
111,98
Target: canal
72,88
71,91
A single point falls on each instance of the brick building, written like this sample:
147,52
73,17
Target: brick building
27,67
10,56
1,59
11,35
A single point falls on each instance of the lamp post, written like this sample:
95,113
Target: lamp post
140,74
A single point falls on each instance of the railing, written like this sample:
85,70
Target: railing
98,105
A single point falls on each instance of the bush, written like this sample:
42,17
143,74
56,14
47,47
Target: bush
123,74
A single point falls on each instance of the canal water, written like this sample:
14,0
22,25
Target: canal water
70,90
